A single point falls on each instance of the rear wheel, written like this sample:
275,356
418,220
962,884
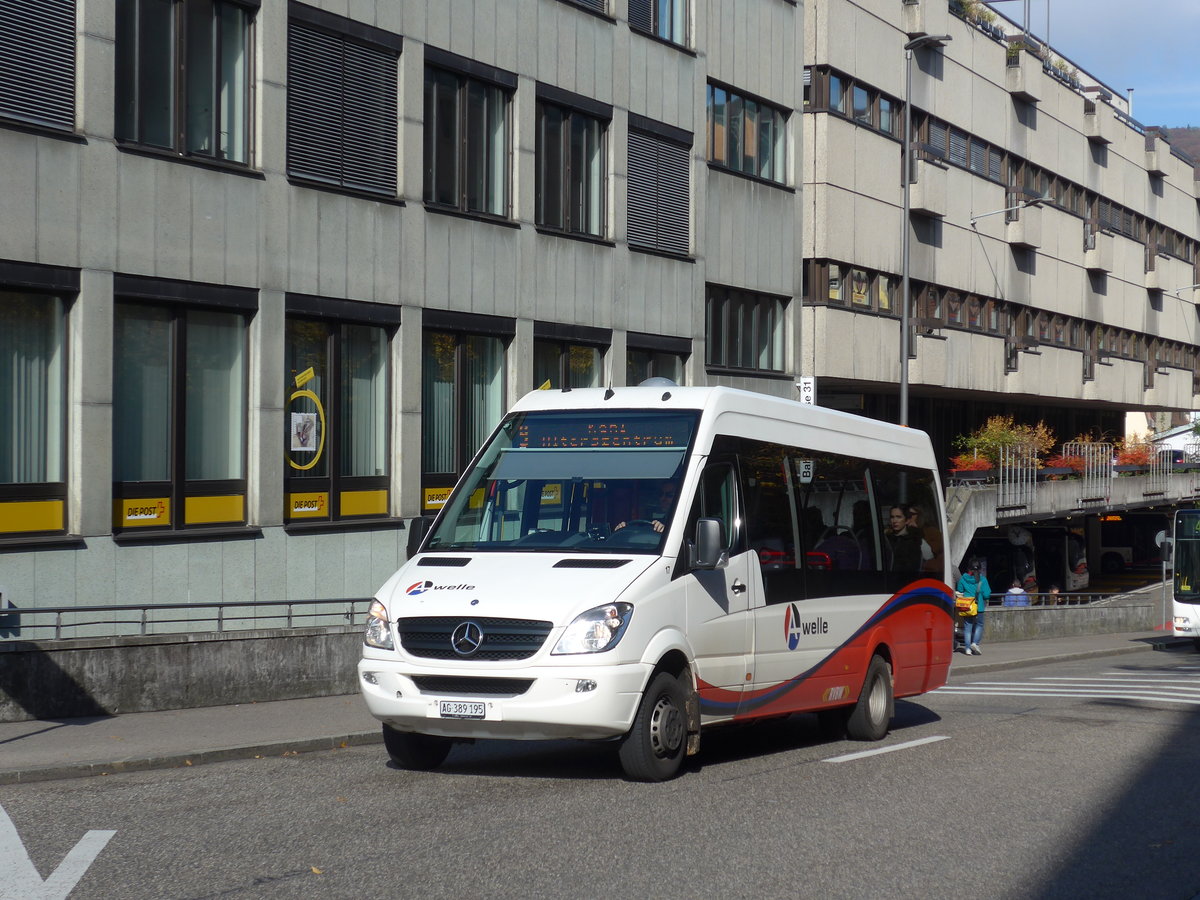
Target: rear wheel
1196,643
415,751
873,713
655,746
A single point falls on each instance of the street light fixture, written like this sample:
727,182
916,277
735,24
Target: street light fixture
925,40
1178,292
1024,204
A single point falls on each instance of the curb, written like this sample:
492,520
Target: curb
1156,645
180,760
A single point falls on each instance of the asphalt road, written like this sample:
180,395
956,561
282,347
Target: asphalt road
1067,780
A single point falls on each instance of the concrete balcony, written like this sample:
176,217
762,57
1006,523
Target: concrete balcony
1158,152
927,195
1024,77
1026,230
1099,257
921,17
1154,279
1099,126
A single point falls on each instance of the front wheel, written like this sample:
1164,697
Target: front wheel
873,712
655,746
419,752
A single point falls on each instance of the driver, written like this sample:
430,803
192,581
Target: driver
659,511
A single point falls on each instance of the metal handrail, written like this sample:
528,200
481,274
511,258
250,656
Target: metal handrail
15,621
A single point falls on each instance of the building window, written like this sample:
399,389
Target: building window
863,106
33,409
179,415
887,115
341,102
860,288
462,400
745,135
885,289
571,167
744,330
659,190
336,421
837,277
558,364
183,76
837,94
467,141
643,364
666,19
37,63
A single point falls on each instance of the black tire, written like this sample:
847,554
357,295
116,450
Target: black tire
872,713
655,746
1196,643
419,752
832,722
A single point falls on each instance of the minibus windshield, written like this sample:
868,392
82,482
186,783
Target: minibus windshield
585,480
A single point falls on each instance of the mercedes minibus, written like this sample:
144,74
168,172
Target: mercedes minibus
638,564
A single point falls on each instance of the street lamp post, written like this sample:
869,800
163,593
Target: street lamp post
925,40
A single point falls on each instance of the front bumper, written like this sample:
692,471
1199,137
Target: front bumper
591,702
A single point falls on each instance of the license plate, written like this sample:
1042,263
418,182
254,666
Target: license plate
461,709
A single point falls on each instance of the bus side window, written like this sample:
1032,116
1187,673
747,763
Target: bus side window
716,498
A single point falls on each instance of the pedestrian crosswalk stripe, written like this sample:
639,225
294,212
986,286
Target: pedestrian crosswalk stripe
1110,686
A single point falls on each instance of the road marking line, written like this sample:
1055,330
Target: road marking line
1074,694
21,877
890,749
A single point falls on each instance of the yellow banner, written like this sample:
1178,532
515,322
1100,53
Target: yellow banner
363,503
213,510
31,515
435,498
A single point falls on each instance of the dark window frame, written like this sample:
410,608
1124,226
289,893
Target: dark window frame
131,125
178,298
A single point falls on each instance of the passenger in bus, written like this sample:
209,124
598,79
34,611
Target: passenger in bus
933,558
657,512
903,542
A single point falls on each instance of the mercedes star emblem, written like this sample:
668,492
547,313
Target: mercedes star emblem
466,638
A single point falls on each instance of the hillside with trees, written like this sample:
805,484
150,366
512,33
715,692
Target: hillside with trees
1185,139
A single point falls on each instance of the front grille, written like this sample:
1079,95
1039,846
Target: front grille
503,639
474,687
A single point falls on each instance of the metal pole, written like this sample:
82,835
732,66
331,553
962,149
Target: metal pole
904,226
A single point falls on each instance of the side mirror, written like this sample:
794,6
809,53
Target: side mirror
707,552
417,529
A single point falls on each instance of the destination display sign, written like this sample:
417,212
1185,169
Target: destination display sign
598,432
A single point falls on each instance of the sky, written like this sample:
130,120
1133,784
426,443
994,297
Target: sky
1147,45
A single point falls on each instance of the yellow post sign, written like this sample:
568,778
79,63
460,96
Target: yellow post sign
143,512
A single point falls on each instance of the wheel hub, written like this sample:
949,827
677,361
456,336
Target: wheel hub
666,727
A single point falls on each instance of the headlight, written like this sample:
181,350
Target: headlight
595,630
379,629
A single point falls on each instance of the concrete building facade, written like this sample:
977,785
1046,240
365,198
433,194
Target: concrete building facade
271,270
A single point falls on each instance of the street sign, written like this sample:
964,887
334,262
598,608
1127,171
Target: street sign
807,386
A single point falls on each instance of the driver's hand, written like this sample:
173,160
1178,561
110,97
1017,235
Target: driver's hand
657,525
618,526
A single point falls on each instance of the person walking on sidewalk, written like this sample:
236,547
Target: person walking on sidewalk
974,583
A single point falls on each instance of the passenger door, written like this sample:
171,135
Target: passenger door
719,600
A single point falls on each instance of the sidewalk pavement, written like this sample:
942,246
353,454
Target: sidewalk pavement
44,750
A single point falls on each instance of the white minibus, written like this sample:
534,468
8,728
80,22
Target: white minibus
636,564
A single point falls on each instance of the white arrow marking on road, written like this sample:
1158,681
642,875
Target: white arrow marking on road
19,878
